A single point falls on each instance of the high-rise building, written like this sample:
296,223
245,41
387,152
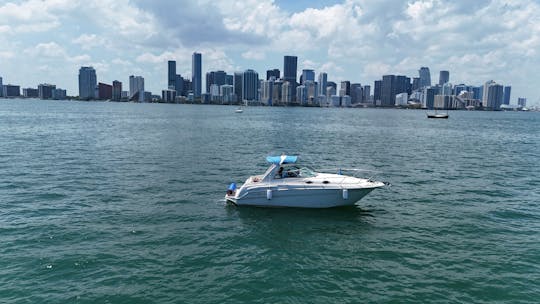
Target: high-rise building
179,85
286,93
522,102
495,96
447,89
250,85
29,93
168,96
87,83
11,90
45,91
136,88
345,88
196,74
267,88
366,93
425,77
485,89
171,78
377,92
428,98
307,75
416,83
507,91
323,83
444,77
289,72
58,94
116,90
388,91
238,86
356,93
273,73
105,91
1,88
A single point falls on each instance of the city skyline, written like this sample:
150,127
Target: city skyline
357,41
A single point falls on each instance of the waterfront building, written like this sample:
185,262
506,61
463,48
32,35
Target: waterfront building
116,90
105,91
87,83
522,102
335,100
460,88
29,93
196,74
366,94
425,77
10,90
485,92
312,91
356,93
229,79
507,91
277,91
215,95
495,96
377,92
136,88
289,71
388,91
416,83
346,101
237,83
286,93
58,94
250,85
168,96
307,75
226,92
444,101
45,91
218,78
428,97
272,73
477,92
301,95
267,89
1,88
179,85
345,88
323,83
447,89
444,77
401,99
171,75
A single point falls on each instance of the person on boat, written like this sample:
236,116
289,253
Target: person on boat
280,173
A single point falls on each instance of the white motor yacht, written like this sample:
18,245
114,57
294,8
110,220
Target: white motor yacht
286,184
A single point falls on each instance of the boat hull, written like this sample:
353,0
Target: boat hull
305,198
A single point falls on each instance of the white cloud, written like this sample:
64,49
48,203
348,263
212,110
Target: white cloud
254,55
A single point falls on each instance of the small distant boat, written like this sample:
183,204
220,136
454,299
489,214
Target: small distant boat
239,110
437,115
285,184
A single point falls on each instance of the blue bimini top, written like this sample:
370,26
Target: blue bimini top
283,159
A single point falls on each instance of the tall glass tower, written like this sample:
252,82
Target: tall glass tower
444,77
250,85
171,79
196,74
289,69
425,77
87,83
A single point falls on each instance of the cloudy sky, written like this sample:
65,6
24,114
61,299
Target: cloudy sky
358,40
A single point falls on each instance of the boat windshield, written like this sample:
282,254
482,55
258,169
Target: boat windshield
294,171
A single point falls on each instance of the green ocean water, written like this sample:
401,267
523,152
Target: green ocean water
123,203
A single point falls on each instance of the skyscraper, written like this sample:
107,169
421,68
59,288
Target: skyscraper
1,88
272,73
238,85
444,77
345,88
196,74
377,92
289,72
495,96
250,85
307,75
87,83
485,93
425,77
172,74
507,90
136,88
388,91
117,90
323,82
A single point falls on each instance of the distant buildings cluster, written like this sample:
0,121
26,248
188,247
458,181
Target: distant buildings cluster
276,89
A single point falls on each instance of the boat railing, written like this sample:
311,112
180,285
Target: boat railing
354,172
